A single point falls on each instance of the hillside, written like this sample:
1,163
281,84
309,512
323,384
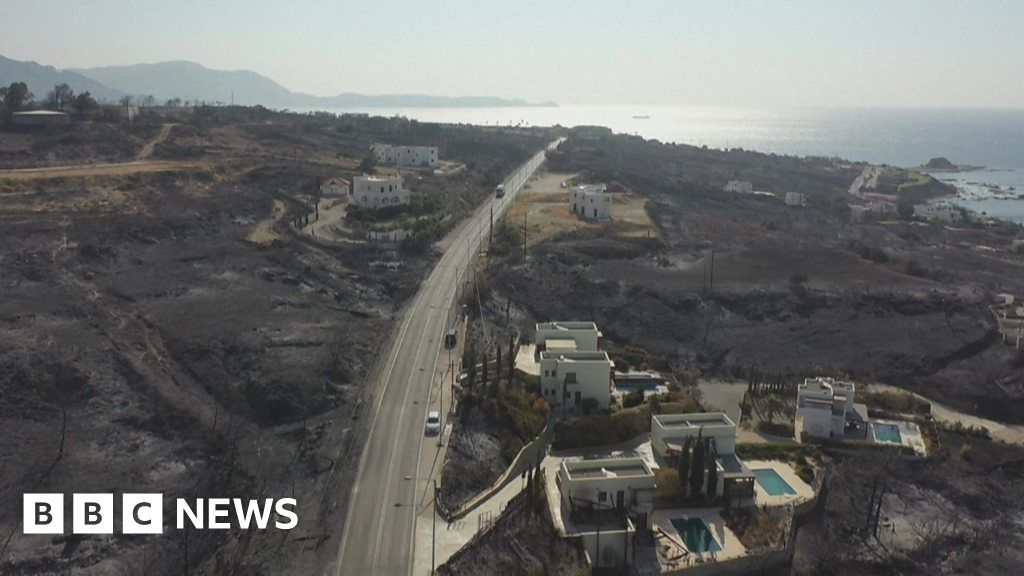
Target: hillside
192,81
41,79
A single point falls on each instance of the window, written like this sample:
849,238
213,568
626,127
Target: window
602,496
570,377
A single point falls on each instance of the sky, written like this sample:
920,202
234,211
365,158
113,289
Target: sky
780,53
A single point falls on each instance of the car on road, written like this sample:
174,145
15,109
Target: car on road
433,423
499,191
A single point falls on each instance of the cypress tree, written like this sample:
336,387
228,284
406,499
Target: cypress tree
697,466
712,459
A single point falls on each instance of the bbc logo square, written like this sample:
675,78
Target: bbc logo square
43,513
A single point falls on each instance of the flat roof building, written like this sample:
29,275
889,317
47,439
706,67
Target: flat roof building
40,118
585,335
825,408
567,378
669,435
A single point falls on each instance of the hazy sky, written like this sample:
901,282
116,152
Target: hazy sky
716,52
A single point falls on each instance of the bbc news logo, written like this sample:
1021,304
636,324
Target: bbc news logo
143,513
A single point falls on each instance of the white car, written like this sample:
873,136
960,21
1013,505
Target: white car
433,423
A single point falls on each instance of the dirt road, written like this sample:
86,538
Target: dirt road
84,170
147,150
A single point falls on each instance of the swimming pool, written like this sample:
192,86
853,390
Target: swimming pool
772,482
887,433
696,535
646,386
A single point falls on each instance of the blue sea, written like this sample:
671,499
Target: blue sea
897,136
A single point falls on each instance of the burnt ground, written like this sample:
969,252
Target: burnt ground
522,542
957,512
148,345
794,290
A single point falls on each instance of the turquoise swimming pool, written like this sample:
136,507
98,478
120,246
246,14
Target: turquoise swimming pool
772,483
696,535
887,433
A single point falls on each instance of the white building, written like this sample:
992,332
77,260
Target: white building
379,191
941,211
336,186
669,433
410,156
825,408
602,502
567,378
795,199
739,187
40,118
610,482
571,336
592,201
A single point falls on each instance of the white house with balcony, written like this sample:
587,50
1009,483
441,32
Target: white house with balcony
739,187
572,336
591,201
669,436
825,408
602,502
568,378
941,211
407,156
378,191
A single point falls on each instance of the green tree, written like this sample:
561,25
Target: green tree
84,103
772,407
712,459
16,96
368,164
60,96
697,465
684,464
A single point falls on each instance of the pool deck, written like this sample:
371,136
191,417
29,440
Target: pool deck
910,435
803,491
731,546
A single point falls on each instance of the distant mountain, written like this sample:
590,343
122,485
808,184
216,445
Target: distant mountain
191,81
41,79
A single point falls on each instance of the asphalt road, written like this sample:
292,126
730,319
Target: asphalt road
380,527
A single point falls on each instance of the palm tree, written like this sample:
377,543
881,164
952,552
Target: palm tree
772,406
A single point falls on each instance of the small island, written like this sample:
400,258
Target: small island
941,164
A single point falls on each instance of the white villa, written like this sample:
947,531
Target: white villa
608,483
568,336
336,186
410,156
567,378
796,199
591,201
602,502
739,187
379,191
825,408
669,433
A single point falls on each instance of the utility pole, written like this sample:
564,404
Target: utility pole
490,234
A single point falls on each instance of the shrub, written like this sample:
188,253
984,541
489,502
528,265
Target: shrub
601,429
632,399
783,429
667,487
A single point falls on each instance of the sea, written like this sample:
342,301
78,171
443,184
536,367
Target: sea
992,139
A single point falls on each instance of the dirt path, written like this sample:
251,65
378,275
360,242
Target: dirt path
1011,433
264,231
84,170
147,150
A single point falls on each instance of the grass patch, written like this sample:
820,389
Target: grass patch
902,402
